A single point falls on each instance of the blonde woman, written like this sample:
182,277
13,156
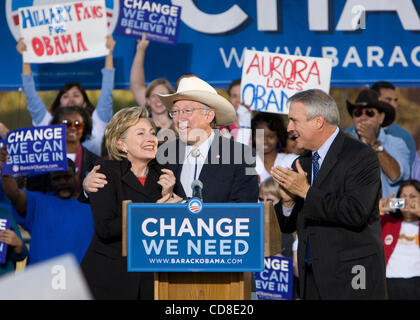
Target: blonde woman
133,174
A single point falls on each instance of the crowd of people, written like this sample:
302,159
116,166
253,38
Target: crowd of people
332,188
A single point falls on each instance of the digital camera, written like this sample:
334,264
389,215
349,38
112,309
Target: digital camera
397,203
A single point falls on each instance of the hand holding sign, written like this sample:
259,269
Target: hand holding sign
142,43
21,46
10,238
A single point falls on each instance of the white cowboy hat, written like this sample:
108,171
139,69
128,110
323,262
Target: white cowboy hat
195,89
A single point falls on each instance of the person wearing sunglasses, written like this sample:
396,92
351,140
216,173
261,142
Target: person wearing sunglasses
78,129
370,116
73,94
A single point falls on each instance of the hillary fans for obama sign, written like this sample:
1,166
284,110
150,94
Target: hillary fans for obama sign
65,32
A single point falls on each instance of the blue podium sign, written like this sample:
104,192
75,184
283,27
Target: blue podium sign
185,238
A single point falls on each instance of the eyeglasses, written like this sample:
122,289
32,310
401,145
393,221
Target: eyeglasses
76,124
368,112
186,112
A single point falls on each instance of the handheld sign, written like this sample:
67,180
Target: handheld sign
195,237
4,225
159,21
276,281
36,149
64,32
269,79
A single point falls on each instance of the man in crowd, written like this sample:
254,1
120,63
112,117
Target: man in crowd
331,198
370,116
387,93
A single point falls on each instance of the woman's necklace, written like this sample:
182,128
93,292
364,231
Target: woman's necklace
145,175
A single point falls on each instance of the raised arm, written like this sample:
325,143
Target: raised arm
137,76
21,47
109,59
36,106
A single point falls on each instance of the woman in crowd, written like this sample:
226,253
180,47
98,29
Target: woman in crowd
78,129
273,141
400,235
133,173
148,96
73,93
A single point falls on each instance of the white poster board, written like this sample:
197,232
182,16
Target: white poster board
269,79
64,32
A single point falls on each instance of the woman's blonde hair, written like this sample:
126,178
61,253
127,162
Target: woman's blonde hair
271,187
118,126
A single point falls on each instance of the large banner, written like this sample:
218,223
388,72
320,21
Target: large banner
367,41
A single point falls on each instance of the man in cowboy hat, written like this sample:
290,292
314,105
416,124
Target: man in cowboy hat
225,167
370,115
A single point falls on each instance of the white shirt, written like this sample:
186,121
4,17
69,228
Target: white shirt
188,167
284,160
405,259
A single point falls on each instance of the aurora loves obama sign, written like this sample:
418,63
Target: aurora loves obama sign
208,238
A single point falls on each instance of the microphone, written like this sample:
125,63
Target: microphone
197,189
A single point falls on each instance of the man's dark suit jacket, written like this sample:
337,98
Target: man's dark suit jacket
228,174
340,217
103,265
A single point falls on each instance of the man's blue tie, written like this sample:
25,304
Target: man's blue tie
315,170
315,166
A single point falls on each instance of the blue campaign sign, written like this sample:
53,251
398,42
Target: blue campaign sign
275,282
159,21
195,237
367,41
36,149
4,225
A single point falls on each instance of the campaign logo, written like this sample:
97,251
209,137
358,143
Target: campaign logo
13,6
195,205
388,239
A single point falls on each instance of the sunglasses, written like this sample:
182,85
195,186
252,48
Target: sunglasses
76,124
368,112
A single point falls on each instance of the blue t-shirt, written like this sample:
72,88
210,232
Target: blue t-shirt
57,226
398,150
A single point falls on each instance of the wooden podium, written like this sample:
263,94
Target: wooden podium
211,285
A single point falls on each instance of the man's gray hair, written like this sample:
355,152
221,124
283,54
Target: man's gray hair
317,102
206,108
